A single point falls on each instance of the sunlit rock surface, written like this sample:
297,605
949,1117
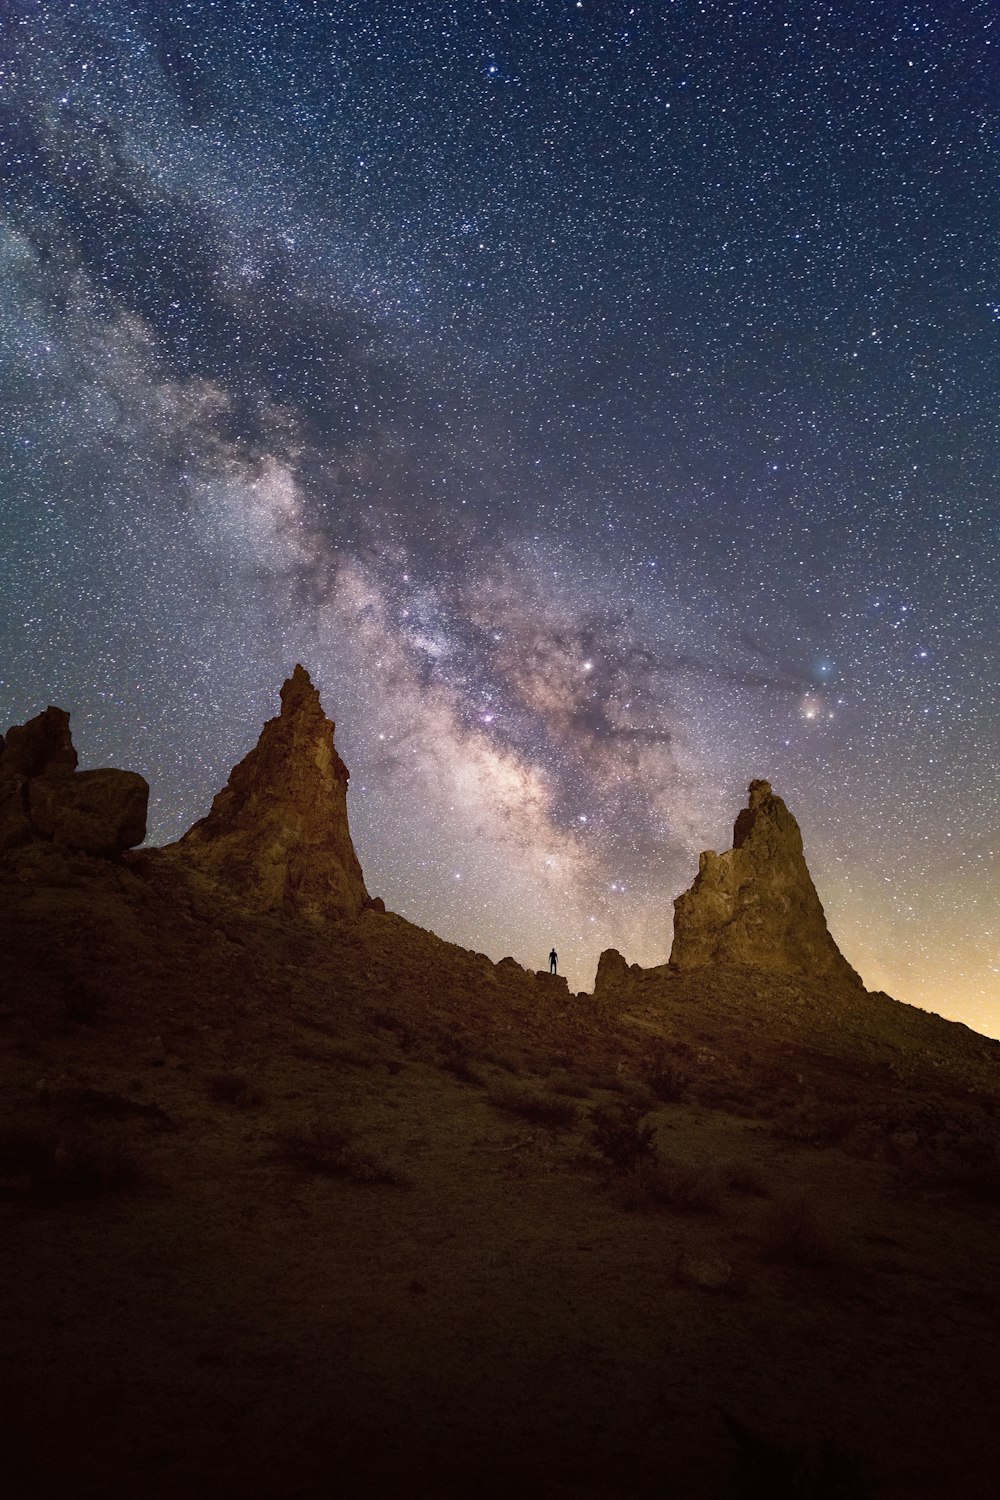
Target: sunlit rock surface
277,835
756,904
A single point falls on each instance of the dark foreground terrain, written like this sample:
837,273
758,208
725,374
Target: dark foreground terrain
290,1211
299,1200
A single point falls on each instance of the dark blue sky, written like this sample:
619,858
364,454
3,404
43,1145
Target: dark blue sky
599,398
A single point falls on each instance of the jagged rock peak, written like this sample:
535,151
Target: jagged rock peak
756,904
277,834
44,798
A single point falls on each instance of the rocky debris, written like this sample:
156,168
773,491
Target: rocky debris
277,834
756,904
44,797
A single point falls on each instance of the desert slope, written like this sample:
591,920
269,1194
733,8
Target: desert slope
306,1204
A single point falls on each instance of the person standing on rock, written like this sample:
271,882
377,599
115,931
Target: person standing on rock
553,962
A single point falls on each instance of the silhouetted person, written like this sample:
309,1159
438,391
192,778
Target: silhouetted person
553,962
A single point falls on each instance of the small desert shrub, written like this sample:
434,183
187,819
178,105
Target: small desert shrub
331,1148
387,1020
621,1134
81,1003
817,1124
65,1164
503,1060
545,1109
666,1080
455,1060
561,1081
610,1081
744,1177
687,1186
655,1184
795,1234
233,1088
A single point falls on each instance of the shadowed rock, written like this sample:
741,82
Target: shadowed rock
102,812
42,746
613,976
756,904
277,834
43,796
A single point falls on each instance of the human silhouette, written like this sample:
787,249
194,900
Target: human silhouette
553,962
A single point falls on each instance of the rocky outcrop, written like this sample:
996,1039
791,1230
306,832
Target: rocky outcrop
277,834
44,797
43,746
614,976
756,904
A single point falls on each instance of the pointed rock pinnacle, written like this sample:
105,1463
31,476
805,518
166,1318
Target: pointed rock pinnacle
277,834
756,904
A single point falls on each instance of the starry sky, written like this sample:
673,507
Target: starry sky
600,399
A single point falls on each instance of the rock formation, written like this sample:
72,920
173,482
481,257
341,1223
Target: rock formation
613,980
277,834
756,904
43,796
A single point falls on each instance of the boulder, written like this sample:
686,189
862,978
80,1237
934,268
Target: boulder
98,812
44,797
277,835
756,904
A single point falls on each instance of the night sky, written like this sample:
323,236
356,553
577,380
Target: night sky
601,400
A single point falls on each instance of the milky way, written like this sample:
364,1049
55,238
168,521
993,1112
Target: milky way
600,399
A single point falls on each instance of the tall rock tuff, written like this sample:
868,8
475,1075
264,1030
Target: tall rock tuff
277,834
756,904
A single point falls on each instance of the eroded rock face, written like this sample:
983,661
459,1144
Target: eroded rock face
613,976
43,796
756,904
277,834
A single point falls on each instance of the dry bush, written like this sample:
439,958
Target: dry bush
233,1087
562,1081
817,1123
745,1177
454,1059
621,1134
502,1060
331,1147
387,1020
82,1003
794,1233
65,1164
687,1186
654,1183
545,1109
610,1081
665,1079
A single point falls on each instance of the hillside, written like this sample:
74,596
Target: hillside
299,1199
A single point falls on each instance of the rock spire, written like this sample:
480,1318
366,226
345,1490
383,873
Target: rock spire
756,904
277,834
